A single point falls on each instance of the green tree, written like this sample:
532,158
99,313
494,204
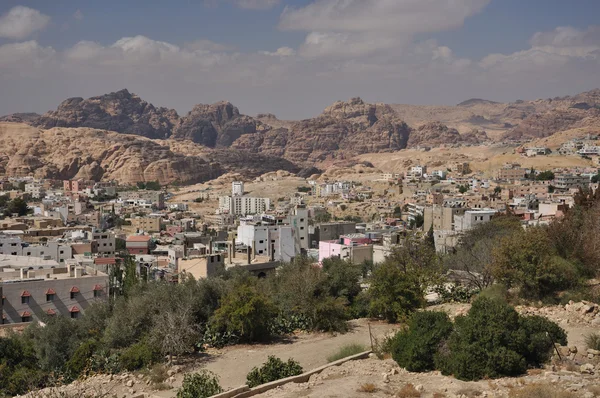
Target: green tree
245,312
153,186
526,259
397,212
414,348
17,206
492,341
547,175
463,188
393,293
322,217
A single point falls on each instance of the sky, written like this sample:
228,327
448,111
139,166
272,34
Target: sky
293,58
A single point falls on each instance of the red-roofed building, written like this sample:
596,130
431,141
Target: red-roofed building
138,244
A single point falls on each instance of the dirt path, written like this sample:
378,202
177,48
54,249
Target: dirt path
311,350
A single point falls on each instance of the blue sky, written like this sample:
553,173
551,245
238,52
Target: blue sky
293,57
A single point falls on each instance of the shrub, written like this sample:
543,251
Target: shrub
199,385
273,369
492,340
158,374
540,391
346,351
368,388
408,391
81,358
393,294
415,348
246,313
138,356
592,341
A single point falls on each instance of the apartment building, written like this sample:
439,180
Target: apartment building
138,244
243,205
146,224
155,198
441,218
237,188
471,218
569,181
48,290
13,245
511,173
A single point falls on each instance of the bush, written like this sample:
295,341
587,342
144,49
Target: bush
138,356
273,369
346,351
246,313
492,340
540,391
415,348
393,294
592,341
80,361
199,385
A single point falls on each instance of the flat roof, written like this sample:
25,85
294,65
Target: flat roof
8,261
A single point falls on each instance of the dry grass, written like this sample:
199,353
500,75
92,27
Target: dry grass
408,391
592,341
161,386
469,392
368,388
346,351
157,374
540,391
594,390
439,395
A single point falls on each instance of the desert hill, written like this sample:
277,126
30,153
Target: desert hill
64,153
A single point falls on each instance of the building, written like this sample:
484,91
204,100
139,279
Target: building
146,224
35,189
276,242
154,198
73,185
138,244
471,218
33,292
511,173
329,231
13,245
392,176
237,188
106,242
440,174
537,151
441,218
568,181
418,171
346,249
243,205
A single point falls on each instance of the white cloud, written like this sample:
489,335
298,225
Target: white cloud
78,15
297,82
350,28
280,52
401,16
20,22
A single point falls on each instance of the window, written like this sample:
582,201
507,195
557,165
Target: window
302,238
50,297
260,252
26,318
62,252
261,241
74,292
97,293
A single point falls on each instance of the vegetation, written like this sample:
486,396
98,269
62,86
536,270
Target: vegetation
592,341
199,385
273,369
346,351
547,175
415,347
150,185
493,340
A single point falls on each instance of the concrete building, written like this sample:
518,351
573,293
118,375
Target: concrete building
243,205
511,173
354,252
13,245
418,171
35,189
329,231
276,242
138,244
146,224
569,181
155,198
472,218
30,294
106,242
237,188
441,217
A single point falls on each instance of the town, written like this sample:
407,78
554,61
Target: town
63,244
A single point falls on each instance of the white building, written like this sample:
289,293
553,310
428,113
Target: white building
35,189
243,205
418,171
472,218
441,174
237,188
12,245
278,242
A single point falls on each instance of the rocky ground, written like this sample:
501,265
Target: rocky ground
576,371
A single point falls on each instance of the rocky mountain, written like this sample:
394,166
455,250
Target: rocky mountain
20,118
216,125
218,134
65,153
122,112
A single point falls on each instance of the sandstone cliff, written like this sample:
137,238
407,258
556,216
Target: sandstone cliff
122,112
64,153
